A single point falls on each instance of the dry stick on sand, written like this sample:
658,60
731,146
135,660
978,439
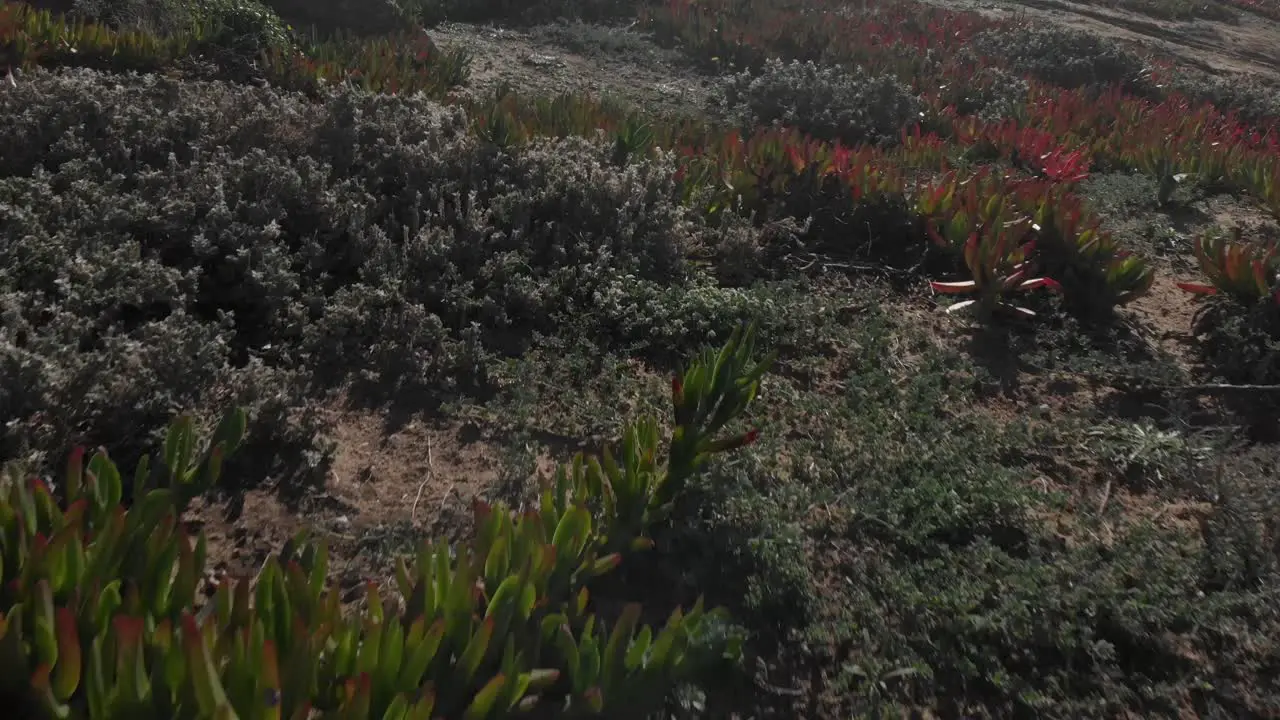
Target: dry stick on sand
1106,497
1225,387
413,513
1202,389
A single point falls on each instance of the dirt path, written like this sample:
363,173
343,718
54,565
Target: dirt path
1250,45
389,489
625,64
553,59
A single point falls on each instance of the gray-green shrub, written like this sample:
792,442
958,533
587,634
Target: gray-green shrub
1065,57
827,101
169,241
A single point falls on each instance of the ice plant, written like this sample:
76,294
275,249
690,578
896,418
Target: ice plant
399,63
999,267
1065,167
1073,248
1245,271
633,139
98,615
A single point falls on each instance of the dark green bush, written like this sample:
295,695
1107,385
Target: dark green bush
162,17
1242,346
244,26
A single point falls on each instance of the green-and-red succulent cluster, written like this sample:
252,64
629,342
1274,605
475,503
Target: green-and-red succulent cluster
31,37
406,62
999,267
1246,272
1058,132
402,63
1058,136
779,171
99,615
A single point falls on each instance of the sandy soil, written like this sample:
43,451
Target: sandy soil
613,62
388,489
1250,45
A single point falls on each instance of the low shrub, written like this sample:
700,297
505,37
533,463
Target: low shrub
993,95
1239,323
1242,344
596,40
1064,57
828,102
1254,99
248,27
156,17
367,239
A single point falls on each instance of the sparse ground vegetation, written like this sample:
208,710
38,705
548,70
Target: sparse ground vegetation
1003,441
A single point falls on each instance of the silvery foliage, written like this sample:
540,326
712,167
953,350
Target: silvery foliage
995,95
1064,57
1253,98
176,246
827,101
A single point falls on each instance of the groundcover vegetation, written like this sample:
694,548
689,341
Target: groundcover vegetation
894,512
